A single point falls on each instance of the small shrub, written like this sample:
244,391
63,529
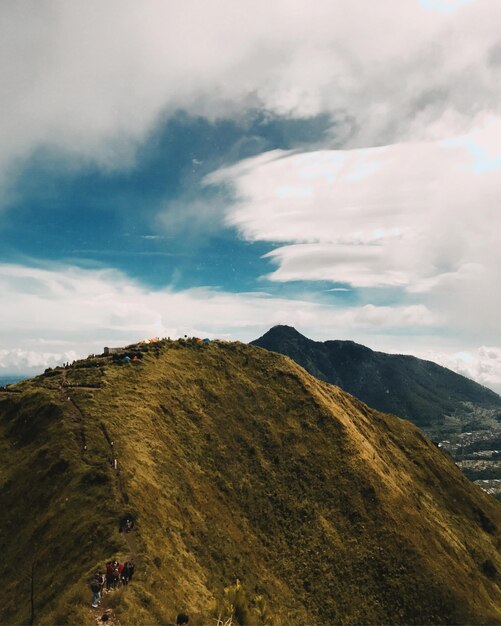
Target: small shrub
233,607
489,569
59,467
95,477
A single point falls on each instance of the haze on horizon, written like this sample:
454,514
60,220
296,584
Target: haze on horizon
217,168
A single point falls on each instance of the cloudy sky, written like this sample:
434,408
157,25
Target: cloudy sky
217,167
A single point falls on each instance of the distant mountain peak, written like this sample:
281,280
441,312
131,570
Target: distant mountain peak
282,331
412,388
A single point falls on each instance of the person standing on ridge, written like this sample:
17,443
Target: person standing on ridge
115,579
131,569
124,575
110,566
95,587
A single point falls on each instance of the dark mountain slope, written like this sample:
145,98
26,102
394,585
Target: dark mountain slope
418,390
235,464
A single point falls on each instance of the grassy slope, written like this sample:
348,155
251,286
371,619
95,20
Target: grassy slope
236,464
418,390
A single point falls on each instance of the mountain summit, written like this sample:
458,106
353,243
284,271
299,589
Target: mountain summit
418,390
239,471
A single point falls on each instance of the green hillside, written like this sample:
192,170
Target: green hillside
235,465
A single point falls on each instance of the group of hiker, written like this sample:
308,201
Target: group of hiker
116,574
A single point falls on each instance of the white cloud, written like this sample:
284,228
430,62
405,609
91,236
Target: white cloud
91,78
358,265
482,364
419,217
52,314
394,317
28,361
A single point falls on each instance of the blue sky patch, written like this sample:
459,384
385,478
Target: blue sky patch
91,217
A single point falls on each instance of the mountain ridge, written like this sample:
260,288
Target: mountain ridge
235,464
384,381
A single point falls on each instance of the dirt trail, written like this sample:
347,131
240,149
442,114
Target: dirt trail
120,493
129,537
79,420
80,424
100,612
76,414
84,387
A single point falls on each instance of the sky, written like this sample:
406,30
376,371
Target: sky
215,168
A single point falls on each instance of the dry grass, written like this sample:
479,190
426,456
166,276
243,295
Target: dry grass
237,465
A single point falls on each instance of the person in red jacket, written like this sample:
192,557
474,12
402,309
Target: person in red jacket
110,568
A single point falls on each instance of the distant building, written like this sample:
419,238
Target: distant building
107,351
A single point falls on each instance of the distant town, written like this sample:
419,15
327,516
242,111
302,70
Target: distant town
478,455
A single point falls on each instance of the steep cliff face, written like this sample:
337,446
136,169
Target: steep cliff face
418,390
235,464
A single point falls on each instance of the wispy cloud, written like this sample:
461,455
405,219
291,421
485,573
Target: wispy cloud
78,312
84,308
422,219
482,364
31,361
444,6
